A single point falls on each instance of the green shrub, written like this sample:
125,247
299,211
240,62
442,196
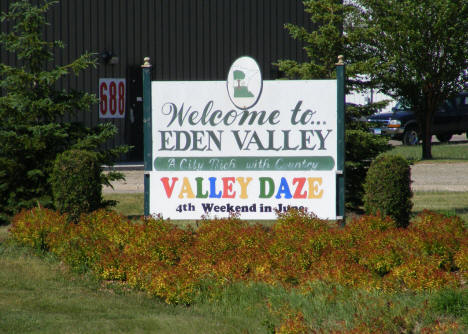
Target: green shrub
76,183
388,189
361,148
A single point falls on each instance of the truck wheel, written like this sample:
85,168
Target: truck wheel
410,136
444,138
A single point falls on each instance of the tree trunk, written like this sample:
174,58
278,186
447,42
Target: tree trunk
426,128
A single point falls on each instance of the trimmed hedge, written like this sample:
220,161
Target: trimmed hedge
76,183
388,188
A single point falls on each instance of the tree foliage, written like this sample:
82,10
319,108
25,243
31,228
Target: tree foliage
322,46
414,50
419,48
31,134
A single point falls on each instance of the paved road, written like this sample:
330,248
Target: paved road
426,176
440,176
133,183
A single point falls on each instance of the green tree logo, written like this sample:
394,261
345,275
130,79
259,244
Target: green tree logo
241,90
244,83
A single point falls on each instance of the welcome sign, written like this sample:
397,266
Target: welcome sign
244,146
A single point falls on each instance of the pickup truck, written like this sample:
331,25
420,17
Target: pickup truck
401,123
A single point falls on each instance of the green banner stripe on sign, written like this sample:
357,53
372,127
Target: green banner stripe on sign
243,163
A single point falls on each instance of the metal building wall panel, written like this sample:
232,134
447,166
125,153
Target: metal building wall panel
186,40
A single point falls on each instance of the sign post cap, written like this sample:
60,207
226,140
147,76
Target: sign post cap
340,61
146,62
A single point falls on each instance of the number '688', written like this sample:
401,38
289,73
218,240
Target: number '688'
112,97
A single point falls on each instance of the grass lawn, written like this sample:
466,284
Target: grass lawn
440,152
37,295
128,204
452,203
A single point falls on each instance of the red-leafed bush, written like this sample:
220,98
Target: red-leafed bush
40,228
151,255
96,242
176,264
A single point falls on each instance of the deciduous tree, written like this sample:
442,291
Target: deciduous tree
414,50
419,52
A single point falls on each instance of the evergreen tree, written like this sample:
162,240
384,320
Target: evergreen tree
31,134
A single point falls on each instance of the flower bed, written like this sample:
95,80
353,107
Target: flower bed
178,264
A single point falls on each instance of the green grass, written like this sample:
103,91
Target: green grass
452,302
3,233
37,295
440,152
127,204
452,203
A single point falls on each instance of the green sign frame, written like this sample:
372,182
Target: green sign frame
323,163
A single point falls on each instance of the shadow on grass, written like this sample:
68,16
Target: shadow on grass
449,151
135,217
450,143
449,212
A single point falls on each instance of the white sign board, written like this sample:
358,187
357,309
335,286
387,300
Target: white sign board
243,146
112,98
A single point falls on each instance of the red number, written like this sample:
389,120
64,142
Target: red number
112,97
121,98
103,95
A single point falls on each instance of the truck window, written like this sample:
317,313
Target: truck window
447,106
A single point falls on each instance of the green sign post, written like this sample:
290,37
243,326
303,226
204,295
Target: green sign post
340,182
147,137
